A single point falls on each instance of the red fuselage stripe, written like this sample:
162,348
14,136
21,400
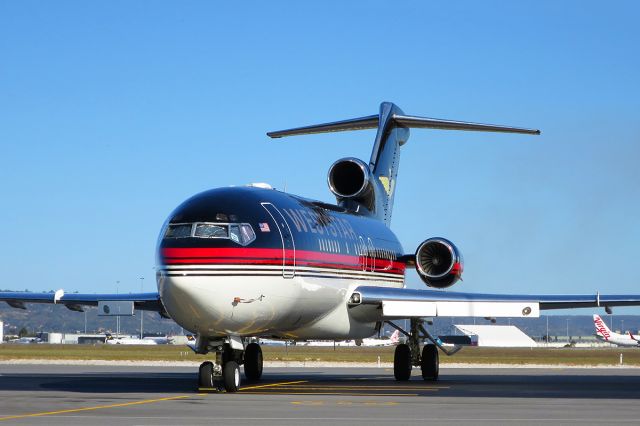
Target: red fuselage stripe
256,256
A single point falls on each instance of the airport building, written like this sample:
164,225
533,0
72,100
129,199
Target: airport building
1,332
498,336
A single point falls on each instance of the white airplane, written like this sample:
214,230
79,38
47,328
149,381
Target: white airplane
248,262
127,340
393,340
25,340
603,333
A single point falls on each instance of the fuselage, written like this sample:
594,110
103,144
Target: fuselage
619,339
248,261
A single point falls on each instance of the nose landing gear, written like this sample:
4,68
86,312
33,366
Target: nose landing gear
224,373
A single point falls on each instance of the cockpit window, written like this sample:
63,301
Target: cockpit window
179,230
211,230
239,233
246,233
234,233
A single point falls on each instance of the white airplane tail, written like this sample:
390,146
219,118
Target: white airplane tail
395,338
601,328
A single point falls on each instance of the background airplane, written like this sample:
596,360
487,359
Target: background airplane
603,333
111,340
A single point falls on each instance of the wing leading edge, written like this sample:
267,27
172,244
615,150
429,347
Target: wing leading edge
75,301
399,302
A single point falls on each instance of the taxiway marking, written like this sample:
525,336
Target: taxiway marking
270,385
349,403
216,390
331,393
355,388
97,407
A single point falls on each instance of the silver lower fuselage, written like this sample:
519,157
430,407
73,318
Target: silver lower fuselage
235,300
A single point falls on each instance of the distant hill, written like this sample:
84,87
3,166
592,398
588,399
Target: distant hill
57,318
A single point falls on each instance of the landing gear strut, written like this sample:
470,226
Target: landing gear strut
408,354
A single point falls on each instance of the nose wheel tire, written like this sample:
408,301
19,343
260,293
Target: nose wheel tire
402,362
231,376
430,363
253,362
205,375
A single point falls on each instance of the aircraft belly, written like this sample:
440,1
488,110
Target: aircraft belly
302,307
339,322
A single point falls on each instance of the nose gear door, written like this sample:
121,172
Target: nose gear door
288,245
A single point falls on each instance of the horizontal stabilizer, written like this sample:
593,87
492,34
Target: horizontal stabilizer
435,123
362,123
409,121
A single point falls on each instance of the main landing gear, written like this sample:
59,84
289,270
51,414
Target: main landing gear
408,355
224,373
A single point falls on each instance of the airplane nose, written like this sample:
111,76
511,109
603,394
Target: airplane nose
218,306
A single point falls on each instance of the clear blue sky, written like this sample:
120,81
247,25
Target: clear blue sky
112,113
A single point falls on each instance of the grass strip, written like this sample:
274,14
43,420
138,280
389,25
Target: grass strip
472,355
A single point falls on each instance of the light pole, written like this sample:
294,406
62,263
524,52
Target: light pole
85,320
117,316
547,336
141,311
567,330
611,315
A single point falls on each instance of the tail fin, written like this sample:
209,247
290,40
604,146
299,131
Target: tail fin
601,328
393,132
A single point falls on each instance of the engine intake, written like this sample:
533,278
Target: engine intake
439,263
350,178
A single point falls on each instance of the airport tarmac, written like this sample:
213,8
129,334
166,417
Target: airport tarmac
119,395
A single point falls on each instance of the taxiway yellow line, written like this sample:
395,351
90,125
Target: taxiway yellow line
270,385
97,407
331,393
354,388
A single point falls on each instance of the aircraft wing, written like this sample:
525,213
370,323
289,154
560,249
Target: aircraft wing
76,301
407,303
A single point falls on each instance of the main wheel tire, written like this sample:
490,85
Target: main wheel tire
430,363
205,375
402,362
253,362
231,376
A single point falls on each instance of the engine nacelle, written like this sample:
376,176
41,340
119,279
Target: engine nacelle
350,178
439,262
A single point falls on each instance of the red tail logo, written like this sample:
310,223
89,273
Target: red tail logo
601,328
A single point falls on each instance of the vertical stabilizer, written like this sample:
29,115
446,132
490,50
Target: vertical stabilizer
385,158
601,328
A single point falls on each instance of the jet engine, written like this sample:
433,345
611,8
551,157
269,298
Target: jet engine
350,178
439,262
